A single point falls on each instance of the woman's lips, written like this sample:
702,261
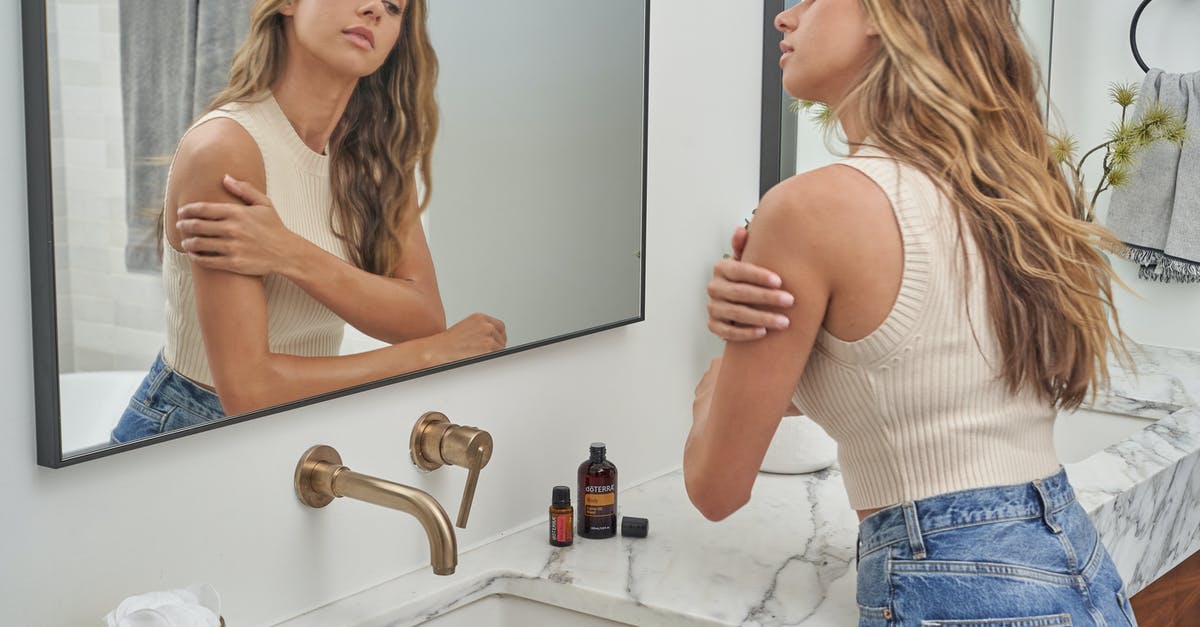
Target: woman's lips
360,37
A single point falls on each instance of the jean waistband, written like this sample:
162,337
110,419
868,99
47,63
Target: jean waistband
911,519
178,389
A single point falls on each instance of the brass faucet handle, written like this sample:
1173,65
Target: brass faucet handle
436,442
478,455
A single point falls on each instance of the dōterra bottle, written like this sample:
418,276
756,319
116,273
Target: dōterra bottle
562,517
597,510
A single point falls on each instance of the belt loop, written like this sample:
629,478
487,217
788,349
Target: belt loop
914,530
1047,515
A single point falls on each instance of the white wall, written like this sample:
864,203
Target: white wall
219,506
1091,50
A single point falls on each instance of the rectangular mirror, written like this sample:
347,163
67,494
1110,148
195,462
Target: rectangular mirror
792,142
536,213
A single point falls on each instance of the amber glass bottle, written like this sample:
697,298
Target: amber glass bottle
597,495
562,523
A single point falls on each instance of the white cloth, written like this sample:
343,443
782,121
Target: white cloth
197,605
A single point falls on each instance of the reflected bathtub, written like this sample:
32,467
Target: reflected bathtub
90,405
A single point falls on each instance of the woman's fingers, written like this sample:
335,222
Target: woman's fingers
743,272
206,246
246,191
746,316
208,211
733,333
720,289
203,228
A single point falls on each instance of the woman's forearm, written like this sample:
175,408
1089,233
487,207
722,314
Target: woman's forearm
280,378
389,309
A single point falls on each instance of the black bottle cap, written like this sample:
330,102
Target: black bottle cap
634,527
561,495
598,451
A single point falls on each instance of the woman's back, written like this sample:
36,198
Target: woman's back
918,405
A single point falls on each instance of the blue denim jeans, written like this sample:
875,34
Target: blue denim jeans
165,401
1024,555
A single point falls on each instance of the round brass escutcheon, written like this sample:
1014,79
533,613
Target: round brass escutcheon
304,474
430,425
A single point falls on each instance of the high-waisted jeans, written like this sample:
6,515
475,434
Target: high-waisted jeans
165,401
1024,555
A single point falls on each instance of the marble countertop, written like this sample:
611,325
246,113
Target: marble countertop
787,558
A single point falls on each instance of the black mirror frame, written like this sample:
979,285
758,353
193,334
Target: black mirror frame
42,278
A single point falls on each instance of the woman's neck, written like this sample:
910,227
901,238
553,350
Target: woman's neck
312,100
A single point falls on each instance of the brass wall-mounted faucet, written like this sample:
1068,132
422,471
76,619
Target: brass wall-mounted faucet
321,477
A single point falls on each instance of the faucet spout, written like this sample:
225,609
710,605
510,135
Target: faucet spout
321,477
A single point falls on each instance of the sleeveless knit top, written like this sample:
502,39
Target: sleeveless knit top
919,406
298,185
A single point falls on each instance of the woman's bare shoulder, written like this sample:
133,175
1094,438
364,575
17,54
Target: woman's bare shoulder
217,147
826,205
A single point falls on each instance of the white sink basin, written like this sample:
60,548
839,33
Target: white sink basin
504,610
1079,434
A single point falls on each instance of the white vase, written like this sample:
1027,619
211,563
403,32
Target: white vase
799,446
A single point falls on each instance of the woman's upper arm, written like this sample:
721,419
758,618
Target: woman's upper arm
232,308
792,235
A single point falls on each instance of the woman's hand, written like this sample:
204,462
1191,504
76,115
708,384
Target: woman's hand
735,293
477,334
245,239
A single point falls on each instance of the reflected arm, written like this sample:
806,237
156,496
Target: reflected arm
404,306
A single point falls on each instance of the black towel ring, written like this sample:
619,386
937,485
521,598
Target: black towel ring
1137,15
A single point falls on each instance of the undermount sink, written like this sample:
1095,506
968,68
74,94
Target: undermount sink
1079,434
506,610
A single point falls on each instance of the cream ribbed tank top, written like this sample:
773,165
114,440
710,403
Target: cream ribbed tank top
298,185
918,407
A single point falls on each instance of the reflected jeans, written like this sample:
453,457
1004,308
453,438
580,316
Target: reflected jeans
1025,555
165,401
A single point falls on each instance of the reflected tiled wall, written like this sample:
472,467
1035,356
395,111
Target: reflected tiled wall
108,318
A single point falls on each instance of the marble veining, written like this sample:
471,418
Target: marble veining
787,558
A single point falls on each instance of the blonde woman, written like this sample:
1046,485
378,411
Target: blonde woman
330,111
946,305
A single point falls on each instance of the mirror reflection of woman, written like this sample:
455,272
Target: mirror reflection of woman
932,303
292,208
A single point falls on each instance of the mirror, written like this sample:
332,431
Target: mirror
792,142
535,217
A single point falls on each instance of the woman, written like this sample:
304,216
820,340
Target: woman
946,305
330,110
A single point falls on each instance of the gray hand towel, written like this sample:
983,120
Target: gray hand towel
175,56
1157,215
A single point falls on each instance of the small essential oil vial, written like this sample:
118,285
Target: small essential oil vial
562,517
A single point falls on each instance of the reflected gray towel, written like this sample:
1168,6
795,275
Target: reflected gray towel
1157,214
175,57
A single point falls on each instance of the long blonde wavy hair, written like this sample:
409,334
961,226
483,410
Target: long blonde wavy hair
953,91
383,141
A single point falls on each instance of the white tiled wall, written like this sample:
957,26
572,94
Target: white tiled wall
108,318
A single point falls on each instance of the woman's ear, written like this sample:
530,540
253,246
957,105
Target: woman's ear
288,8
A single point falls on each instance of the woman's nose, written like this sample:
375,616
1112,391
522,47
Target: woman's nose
374,8
784,22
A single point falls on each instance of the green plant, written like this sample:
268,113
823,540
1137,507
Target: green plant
821,113
1125,140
